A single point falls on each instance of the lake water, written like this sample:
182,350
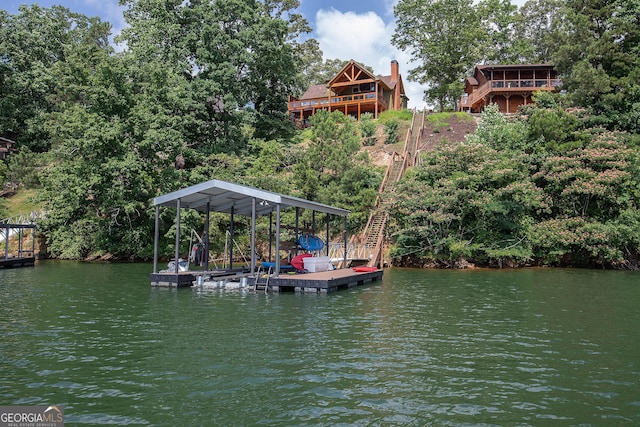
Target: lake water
444,348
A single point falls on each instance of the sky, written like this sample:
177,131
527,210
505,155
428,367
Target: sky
345,29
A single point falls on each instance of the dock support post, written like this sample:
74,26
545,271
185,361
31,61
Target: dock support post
231,232
177,249
277,239
207,221
156,237
253,235
327,245
313,222
270,234
33,242
297,226
6,242
344,232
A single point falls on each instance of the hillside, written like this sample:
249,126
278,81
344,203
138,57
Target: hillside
439,127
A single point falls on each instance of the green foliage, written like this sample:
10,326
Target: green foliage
499,133
32,44
3,208
330,171
599,59
397,115
537,189
541,29
368,129
442,37
25,167
391,131
466,201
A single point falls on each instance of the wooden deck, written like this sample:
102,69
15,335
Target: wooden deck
322,282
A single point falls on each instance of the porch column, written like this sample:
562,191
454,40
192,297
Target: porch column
376,109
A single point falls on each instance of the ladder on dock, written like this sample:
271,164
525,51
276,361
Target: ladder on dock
262,280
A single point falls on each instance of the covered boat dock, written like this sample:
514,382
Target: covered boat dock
235,199
24,256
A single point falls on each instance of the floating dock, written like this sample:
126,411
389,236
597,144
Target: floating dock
189,278
17,262
320,282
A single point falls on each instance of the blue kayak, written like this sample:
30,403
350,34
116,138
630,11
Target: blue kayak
310,243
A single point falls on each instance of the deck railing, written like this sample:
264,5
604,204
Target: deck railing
498,86
336,100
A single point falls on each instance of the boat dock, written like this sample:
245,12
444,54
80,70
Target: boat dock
318,282
15,262
235,199
19,245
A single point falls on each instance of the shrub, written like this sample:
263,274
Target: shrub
368,129
391,131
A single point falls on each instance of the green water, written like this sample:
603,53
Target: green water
441,348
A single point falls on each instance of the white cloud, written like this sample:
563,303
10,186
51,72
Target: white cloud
367,39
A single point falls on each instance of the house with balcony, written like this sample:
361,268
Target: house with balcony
509,86
354,91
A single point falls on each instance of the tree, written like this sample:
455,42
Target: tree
502,42
541,26
442,38
31,44
600,60
235,56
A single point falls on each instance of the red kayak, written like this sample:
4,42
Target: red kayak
365,269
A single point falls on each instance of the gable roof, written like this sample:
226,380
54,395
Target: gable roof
352,72
222,196
315,91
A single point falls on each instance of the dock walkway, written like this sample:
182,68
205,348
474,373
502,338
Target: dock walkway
323,281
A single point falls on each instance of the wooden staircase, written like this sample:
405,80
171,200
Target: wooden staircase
373,236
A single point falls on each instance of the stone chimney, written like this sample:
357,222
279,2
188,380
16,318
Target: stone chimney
395,71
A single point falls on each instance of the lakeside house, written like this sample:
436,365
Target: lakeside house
509,86
354,91
7,145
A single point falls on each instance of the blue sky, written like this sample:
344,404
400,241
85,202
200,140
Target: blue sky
338,25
